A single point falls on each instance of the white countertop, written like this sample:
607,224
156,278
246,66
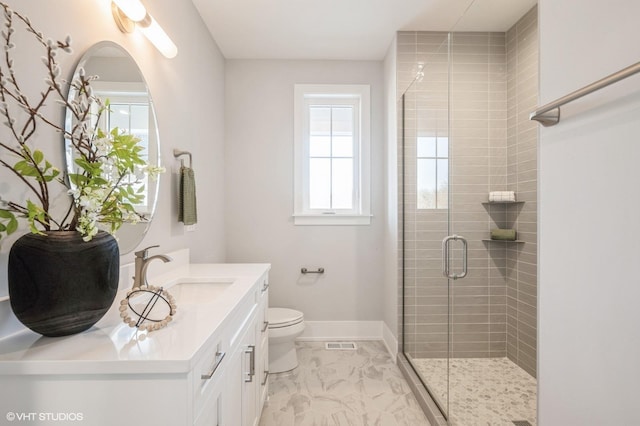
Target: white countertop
112,347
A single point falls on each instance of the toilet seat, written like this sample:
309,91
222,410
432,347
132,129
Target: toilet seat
283,317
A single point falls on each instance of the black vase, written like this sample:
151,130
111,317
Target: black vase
61,285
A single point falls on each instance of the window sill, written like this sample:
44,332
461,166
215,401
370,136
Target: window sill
331,219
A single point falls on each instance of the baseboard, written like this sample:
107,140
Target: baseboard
341,330
390,341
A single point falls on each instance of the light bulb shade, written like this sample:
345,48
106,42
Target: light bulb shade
134,9
159,38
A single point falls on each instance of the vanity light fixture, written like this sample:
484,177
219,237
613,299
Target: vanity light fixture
130,14
134,9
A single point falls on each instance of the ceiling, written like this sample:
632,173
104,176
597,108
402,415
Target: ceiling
342,29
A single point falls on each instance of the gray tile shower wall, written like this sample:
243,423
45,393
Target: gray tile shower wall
425,114
493,85
522,171
478,165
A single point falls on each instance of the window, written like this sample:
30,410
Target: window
332,155
433,172
129,110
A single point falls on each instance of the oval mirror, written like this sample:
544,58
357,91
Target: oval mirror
131,110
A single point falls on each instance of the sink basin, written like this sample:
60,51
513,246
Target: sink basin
199,292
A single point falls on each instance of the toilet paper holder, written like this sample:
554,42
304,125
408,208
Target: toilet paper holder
307,271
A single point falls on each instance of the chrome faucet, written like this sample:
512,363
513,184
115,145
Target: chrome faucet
142,263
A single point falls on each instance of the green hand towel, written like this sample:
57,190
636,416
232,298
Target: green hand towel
187,211
503,234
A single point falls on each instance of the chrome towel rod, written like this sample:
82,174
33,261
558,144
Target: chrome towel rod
317,271
549,114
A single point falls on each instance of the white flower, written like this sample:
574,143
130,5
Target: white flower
103,146
154,171
74,192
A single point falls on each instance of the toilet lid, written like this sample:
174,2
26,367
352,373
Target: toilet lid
283,317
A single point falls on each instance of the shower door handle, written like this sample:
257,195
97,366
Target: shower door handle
445,257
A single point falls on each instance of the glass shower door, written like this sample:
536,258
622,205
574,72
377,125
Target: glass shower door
470,337
426,217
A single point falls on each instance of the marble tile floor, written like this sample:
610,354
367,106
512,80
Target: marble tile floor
360,387
482,391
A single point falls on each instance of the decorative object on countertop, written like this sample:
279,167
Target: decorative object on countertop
62,275
187,207
60,284
503,234
141,304
502,196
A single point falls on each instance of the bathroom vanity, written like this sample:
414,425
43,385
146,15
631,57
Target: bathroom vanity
209,366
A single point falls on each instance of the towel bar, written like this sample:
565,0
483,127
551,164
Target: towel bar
178,153
317,271
549,114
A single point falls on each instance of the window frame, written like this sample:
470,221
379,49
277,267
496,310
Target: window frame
306,95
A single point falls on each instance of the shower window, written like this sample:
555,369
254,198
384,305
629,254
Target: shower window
433,172
332,150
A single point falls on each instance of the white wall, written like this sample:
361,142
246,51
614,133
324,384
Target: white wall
188,93
390,291
259,202
589,317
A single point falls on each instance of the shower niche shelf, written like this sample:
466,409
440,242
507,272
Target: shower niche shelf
502,203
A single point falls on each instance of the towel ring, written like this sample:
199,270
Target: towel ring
178,153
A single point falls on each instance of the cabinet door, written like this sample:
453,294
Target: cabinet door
250,382
233,394
240,394
215,405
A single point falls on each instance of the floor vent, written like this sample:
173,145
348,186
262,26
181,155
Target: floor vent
341,346
521,423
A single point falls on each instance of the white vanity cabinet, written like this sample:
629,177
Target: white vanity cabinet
207,368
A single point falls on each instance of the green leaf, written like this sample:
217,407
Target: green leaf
38,156
26,169
12,226
78,179
35,214
98,181
19,166
10,222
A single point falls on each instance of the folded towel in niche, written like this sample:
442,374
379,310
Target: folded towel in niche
503,234
508,196
187,209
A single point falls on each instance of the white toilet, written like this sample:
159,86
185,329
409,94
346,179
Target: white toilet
284,326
